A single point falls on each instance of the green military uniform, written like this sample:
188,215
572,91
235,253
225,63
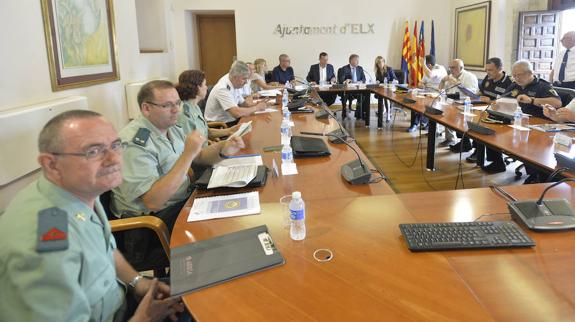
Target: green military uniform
56,258
192,119
149,155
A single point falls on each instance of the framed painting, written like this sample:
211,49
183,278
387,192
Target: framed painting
472,34
81,43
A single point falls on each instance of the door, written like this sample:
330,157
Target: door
217,45
538,39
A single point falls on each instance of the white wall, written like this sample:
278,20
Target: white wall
256,21
25,77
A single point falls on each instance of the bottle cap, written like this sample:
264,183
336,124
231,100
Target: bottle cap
296,195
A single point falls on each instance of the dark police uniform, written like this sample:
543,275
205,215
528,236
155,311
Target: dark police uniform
538,88
492,88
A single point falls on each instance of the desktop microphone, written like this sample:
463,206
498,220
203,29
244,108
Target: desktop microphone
302,81
322,112
373,84
435,111
544,214
478,128
355,172
336,136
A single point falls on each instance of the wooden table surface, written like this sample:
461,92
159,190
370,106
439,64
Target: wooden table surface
373,276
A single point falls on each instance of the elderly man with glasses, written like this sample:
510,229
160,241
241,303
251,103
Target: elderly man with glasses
157,162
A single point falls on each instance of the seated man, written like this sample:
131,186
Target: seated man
432,75
226,103
320,74
283,72
532,93
459,76
157,160
59,257
495,83
353,73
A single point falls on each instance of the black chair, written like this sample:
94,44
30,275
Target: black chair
268,77
346,97
400,75
566,94
157,258
202,103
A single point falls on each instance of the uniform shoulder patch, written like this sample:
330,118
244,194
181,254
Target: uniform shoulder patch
141,136
52,234
228,87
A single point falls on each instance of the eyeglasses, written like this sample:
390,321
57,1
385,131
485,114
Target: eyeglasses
519,75
168,105
97,152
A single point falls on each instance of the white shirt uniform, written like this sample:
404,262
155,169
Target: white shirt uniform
569,68
435,76
467,80
223,97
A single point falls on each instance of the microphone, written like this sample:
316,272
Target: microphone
372,83
500,117
303,92
435,111
355,172
322,113
478,128
336,136
544,214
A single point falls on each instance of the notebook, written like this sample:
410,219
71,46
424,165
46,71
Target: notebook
217,260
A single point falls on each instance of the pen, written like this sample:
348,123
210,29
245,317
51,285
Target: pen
311,133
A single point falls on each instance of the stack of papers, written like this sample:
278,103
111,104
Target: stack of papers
244,129
240,204
270,93
553,127
235,176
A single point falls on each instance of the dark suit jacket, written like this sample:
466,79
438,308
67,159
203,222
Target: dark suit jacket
345,73
313,74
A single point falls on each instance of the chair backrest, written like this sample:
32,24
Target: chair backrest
202,103
566,94
268,76
399,75
106,199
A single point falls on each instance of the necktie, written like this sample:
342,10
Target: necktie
563,65
353,75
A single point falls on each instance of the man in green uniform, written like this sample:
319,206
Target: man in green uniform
58,258
157,162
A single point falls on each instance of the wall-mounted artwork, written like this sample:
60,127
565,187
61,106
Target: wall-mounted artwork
472,34
81,43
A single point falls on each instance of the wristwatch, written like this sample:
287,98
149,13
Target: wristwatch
135,281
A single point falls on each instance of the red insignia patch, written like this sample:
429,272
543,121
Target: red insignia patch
54,234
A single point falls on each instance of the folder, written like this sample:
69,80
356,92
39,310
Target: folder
303,146
210,262
258,181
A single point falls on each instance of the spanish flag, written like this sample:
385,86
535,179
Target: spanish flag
405,53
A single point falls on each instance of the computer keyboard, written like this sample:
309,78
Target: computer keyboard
464,235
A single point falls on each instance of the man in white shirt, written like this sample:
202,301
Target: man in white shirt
459,76
563,73
432,75
226,103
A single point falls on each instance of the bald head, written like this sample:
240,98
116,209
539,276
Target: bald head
568,39
456,67
51,139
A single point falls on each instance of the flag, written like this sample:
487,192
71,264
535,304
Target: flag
432,49
421,52
405,51
413,65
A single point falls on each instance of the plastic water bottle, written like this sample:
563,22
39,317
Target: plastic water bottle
467,106
287,154
285,133
385,82
285,99
286,114
393,83
297,216
517,116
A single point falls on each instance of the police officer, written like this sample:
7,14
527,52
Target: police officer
494,84
157,160
531,93
58,258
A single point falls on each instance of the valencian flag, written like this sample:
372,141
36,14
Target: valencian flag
421,52
413,61
405,53
432,46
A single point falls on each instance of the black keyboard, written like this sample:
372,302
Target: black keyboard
464,235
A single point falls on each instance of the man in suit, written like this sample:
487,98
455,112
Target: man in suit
322,73
353,73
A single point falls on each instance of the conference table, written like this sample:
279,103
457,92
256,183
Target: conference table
372,276
533,147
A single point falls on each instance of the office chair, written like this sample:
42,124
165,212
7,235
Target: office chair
268,76
400,75
345,97
566,94
157,258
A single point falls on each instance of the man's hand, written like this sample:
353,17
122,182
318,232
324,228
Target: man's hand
524,99
233,129
145,284
260,106
194,143
485,99
249,100
232,146
156,306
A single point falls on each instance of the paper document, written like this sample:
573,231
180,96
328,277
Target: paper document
240,204
270,93
235,176
244,129
552,127
267,110
246,159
